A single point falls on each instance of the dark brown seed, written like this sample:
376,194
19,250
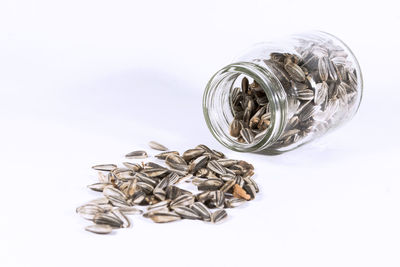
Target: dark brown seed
245,85
235,128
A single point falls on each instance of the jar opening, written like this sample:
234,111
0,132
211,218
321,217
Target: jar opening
219,109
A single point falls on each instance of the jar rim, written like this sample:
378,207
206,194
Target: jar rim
272,88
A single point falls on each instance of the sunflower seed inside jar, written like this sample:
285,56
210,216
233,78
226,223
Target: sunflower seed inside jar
289,93
156,192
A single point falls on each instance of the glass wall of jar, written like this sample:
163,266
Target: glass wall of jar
278,96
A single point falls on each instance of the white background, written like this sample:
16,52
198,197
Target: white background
84,82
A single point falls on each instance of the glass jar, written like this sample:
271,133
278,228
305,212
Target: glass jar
280,95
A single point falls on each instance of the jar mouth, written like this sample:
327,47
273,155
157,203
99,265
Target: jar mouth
218,112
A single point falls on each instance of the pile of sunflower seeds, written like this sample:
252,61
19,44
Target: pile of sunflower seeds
251,112
321,86
155,191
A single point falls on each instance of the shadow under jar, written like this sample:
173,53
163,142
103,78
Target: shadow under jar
281,95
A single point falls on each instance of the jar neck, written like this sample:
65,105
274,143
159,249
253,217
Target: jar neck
218,110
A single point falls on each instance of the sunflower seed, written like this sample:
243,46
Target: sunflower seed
108,219
164,155
125,221
247,135
305,94
99,228
138,197
183,200
157,146
323,68
160,205
133,166
159,193
164,217
250,189
201,210
98,186
235,128
218,216
155,172
192,153
321,93
245,85
228,185
104,167
198,163
218,199
88,211
250,181
295,72
99,201
214,166
130,210
210,184
187,213
234,202
227,162
139,154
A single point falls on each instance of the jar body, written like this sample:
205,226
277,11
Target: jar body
278,96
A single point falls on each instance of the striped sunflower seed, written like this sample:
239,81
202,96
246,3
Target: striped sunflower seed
139,154
187,213
99,228
164,155
157,146
108,219
214,166
104,167
201,210
218,216
164,217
